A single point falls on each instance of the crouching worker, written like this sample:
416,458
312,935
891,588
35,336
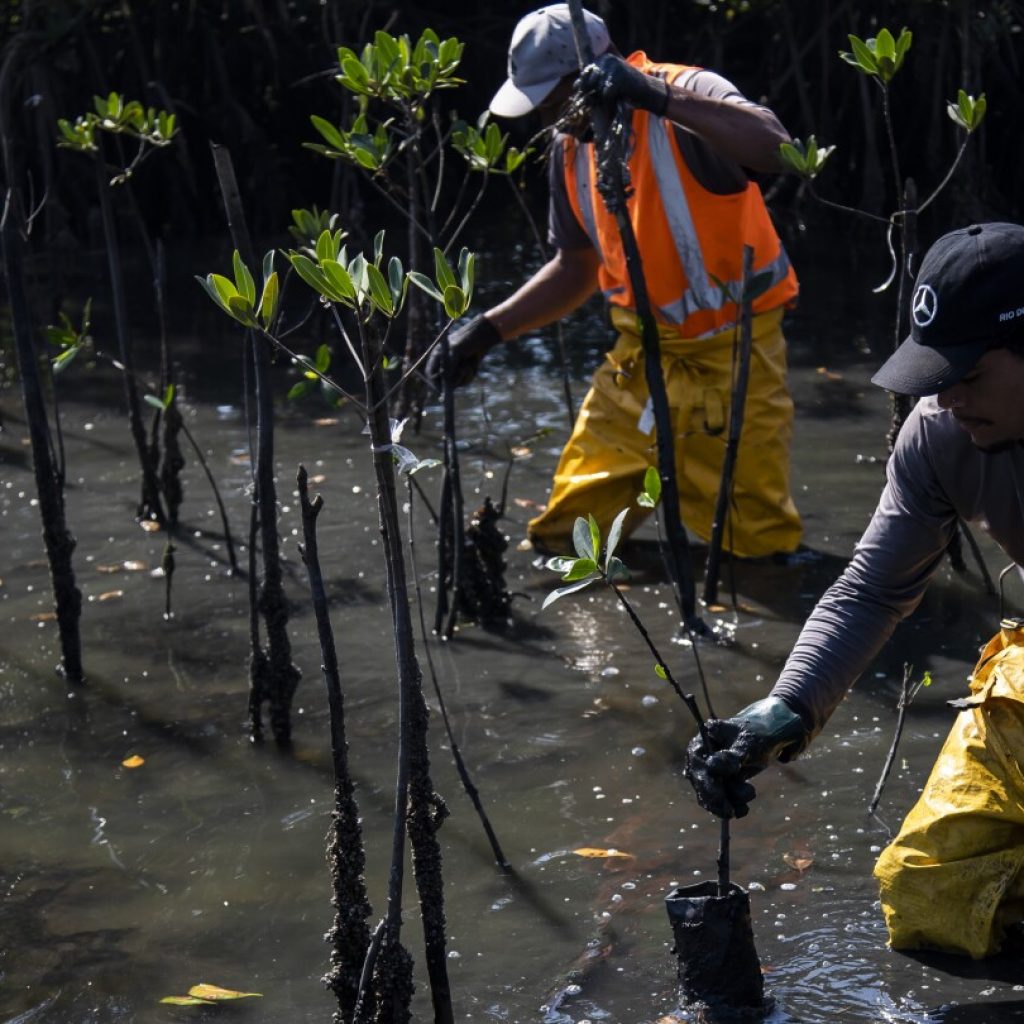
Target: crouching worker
693,209
953,878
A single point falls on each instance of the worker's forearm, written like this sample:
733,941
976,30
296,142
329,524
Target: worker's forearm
748,135
563,284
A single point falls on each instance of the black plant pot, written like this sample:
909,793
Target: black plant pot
719,970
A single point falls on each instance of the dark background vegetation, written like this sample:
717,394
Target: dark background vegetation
248,74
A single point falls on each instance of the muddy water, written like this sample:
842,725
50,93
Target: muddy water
205,864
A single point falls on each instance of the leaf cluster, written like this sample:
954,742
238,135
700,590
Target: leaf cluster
808,159
967,111
308,225
359,146
453,292
113,114
357,283
237,298
395,70
483,149
880,57
70,340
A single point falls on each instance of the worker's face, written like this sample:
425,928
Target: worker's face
553,105
988,402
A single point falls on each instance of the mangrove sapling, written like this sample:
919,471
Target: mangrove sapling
151,129
908,691
369,293
612,174
48,469
718,964
349,935
404,153
273,678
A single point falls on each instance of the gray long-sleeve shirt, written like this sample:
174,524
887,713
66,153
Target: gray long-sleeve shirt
935,474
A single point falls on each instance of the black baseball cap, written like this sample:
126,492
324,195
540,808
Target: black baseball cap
968,298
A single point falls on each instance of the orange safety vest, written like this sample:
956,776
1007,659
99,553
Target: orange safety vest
687,235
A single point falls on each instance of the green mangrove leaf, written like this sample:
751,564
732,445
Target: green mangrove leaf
570,589
580,568
243,279
442,271
298,390
425,284
455,301
659,670
616,570
583,540
380,293
614,534
268,301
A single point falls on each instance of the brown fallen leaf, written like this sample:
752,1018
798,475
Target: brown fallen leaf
111,595
239,459
134,761
326,421
529,503
149,526
318,479
110,569
135,566
593,852
215,992
186,1001
521,451
829,374
43,617
801,860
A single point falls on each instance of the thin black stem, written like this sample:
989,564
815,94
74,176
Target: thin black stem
460,765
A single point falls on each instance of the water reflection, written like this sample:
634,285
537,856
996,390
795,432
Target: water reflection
206,863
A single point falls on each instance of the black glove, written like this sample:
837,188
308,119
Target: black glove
610,79
766,731
467,345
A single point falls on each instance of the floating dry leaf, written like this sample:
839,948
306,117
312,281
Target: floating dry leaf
521,451
717,608
149,526
318,479
43,617
110,568
326,421
829,374
239,459
215,992
186,1001
800,860
134,761
591,851
110,595
134,566
529,503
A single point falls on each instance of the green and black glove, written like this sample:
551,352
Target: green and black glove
467,345
768,730
610,79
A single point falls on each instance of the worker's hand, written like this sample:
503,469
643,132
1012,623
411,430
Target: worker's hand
768,730
610,79
467,345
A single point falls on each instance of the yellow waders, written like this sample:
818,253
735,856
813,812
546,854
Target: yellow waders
952,879
602,467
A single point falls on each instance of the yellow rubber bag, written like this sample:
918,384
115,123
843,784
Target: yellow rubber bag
601,469
952,879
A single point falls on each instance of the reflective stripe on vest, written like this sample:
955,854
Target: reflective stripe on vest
702,293
585,198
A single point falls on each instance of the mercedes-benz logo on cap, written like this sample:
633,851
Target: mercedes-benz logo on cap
925,305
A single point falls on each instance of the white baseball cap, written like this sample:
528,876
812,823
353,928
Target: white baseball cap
542,53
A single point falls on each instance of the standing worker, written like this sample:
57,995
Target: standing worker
693,210
954,876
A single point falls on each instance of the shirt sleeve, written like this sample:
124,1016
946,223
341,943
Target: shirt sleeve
891,567
564,230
